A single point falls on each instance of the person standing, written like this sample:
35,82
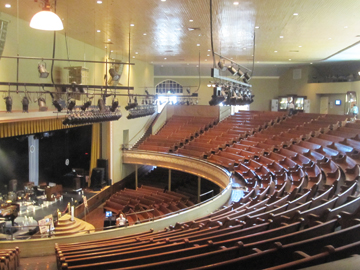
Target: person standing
355,111
291,108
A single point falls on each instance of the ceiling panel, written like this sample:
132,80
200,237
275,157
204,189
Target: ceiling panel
161,29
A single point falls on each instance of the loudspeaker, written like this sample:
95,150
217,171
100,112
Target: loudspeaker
97,178
104,163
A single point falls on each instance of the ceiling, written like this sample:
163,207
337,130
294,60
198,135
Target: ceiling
286,32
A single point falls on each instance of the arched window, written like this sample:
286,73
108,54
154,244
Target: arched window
169,87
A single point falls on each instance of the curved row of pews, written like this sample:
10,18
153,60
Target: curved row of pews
301,206
146,203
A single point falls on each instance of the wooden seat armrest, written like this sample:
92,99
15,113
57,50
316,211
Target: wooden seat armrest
298,255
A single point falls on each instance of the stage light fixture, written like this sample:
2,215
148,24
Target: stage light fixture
232,70
43,73
147,92
221,65
46,19
241,74
8,103
25,104
114,105
101,104
114,75
57,105
246,78
42,104
86,105
71,105
131,105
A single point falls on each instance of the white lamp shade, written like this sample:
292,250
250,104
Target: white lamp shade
46,20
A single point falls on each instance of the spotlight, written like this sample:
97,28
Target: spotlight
241,74
188,91
42,104
216,100
46,19
114,106
43,73
222,66
232,70
57,105
25,104
71,105
114,75
8,102
246,77
101,104
86,105
147,92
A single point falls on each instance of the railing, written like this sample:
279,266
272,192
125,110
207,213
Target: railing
143,129
206,193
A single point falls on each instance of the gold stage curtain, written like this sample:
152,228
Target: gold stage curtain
11,129
95,148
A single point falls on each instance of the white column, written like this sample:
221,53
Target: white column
33,160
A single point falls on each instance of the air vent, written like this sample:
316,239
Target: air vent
169,51
294,51
108,42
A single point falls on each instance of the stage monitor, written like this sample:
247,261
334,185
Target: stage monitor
338,102
108,214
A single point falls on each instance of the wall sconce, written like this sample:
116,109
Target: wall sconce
46,19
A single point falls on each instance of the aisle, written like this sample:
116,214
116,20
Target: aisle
38,263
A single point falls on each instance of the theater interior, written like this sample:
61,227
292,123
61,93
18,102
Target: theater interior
187,134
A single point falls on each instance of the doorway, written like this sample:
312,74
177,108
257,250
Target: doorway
324,105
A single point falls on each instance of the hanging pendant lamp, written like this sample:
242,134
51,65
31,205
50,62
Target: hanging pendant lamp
46,19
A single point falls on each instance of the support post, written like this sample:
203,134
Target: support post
136,177
33,160
169,182
199,189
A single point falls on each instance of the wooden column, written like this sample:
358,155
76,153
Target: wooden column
136,177
169,182
199,189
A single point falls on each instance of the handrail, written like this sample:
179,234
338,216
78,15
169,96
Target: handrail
206,193
140,212
145,127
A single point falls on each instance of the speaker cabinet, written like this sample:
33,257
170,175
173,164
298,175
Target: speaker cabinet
97,178
104,163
